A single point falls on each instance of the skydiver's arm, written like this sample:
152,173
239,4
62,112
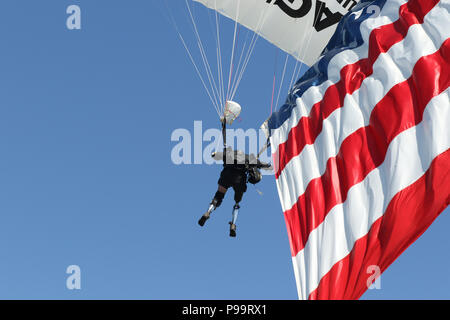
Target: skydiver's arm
263,165
253,161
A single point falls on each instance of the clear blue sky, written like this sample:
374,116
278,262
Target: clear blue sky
86,118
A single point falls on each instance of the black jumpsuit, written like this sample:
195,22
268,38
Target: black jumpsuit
234,174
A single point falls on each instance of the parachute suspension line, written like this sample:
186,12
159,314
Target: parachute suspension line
252,45
307,45
219,62
233,48
230,83
254,40
239,65
273,91
297,73
204,57
192,59
297,61
282,80
213,101
273,85
293,75
240,74
216,35
309,40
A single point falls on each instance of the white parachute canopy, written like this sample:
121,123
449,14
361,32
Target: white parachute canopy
302,28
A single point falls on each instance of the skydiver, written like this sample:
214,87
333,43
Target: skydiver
238,169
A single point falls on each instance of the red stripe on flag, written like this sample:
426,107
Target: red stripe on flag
366,148
407,216
352,75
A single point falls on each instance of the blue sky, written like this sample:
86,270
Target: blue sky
86,118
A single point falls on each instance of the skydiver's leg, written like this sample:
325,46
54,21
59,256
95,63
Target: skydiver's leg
237,198
239,190
218,197
224,184
216,202
233,221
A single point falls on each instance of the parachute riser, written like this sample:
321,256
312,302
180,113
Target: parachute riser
224,136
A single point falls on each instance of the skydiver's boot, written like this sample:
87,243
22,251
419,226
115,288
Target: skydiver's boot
212,206
233,222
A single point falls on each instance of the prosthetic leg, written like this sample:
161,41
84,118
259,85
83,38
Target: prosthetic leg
238,194
233,220
217,200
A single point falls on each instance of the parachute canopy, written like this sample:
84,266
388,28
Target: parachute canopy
302,28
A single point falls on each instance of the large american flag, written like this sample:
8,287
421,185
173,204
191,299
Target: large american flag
361,147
